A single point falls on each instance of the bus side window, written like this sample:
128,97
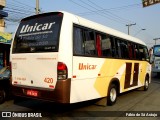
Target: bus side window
89,43
143,53
146,53
78,47
135,50
117,48
106,46
124,49
130,50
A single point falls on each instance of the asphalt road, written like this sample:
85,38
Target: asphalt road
136,104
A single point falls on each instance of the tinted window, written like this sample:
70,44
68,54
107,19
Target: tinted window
106,45
136,54
156,50
38,34
117,48
123,49
89,42
84,41
78,41
143,53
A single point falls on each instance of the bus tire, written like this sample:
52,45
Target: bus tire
112,95
146,84
2,96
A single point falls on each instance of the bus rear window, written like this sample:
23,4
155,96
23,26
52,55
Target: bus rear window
38,34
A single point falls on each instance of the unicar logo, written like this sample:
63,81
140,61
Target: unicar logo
36,27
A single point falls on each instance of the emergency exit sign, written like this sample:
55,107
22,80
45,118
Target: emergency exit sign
147,3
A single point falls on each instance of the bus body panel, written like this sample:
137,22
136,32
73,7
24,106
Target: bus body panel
35,70
66,43
92,76
40,68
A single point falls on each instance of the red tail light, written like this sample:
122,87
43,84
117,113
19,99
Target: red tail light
61,66
62,71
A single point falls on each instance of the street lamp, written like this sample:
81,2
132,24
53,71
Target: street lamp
129,25
156,40
139,31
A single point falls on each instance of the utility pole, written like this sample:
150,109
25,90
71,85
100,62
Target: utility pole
37,7
129,25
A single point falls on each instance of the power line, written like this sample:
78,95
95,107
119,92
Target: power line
23,4
87,8
109,13
108,16
112,9
12,5
17,10
21,10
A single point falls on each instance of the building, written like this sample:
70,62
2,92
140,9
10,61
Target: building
5,43
2,15
5,38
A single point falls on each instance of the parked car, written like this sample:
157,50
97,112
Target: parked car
4,83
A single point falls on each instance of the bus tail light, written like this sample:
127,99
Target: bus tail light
62,71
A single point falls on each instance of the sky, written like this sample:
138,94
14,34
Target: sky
111,13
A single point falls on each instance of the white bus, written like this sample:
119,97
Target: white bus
156,59
62,57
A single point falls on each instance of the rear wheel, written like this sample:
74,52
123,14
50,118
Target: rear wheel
146,84
112,95
2,96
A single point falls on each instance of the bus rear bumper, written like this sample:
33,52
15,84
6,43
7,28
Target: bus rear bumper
61,93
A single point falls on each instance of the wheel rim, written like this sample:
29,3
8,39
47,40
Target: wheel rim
146,84
113,94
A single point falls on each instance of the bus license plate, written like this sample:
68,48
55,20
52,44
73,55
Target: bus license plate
32,93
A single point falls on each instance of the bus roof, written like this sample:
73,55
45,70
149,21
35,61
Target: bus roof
87,23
